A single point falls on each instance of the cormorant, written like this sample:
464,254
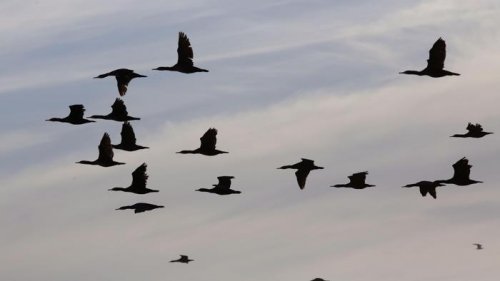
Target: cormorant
356,181
75,116
118,112
473,131
222,188
182,259
128,139
478,246
139,180
207,146
319,279
184,57
461,174
426,187
303,168
123,77
435,63
105,158
140,207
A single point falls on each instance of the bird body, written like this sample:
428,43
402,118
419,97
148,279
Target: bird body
207,145
426,187
303,168
140,207
478,246
139,181
184,58
123,77
461,174
118,113
222,188
473,131
183,259
105,158
356,181
128,141
75,116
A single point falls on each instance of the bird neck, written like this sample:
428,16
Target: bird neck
86,162
412,72
188,151
165,68
118,189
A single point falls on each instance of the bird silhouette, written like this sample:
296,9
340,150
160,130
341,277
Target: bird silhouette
426,187
356,181
184,58
140,207
128,142
473,131
222,188
435,63
105,158
303,168
319,279
207,146
182,259
139,180
461,174
118,113
478,246
75,116
123,77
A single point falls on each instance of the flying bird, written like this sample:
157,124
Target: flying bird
207,146
435,63
184,57
473,131
182,259
118,113
319,279
461,174
105,158
123,77
426,187
222,188
140,207
356,181
75,116
303,168
128,142
139,180
478,246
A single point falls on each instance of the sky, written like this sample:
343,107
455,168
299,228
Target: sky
288,79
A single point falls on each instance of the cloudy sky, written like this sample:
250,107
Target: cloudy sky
288,79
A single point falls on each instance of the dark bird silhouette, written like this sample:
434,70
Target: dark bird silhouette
222,188
75,116
118,112
140,207
478,246
356,181
319,279
435,63
303,168
182,259
461,174
184,57
426,187
207,146
128,139
473,131
105,158
123,77
139,180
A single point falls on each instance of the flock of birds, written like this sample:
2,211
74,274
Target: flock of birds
435,68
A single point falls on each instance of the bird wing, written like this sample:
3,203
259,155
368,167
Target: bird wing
183,257
437,55
474,128
105,149
119,108
432,192
122,83
139,176
184,50
76,111
301,175
127,133
209,139
358,178
224,183
462,169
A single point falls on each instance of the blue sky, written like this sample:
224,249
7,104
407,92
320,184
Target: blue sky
288,79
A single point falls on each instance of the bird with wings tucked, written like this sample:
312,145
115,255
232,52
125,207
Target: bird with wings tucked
140,207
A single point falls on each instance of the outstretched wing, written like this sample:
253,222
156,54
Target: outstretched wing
209,139
301,175
105,149
184,50
358,179
76,111
127,133
118,108
139,176
437,55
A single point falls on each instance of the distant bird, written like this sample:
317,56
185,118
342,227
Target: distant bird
435,63
303,168
474,131
184,58
128,139
207,146
140,207
319,279
182,259
356,181
123,77
478,246
222,188
426,187
105,158
461,174
118,113
75,116
139,180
